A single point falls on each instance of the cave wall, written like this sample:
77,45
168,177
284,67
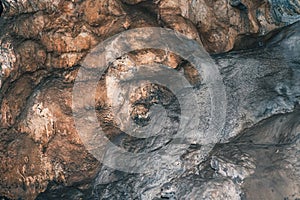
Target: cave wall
44,42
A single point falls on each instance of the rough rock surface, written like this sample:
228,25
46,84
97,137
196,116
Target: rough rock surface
233,170
42,45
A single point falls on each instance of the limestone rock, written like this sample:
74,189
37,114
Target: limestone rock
42,46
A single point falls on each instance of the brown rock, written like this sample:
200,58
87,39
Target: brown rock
42,46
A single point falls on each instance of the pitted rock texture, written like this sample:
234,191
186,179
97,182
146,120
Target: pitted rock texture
233,169
42,45
61,32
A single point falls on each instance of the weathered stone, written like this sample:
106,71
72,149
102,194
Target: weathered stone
42,46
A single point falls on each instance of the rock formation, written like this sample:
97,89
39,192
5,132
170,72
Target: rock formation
256,47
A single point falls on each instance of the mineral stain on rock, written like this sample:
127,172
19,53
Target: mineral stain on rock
255,45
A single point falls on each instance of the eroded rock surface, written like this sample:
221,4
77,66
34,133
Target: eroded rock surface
233,170
42,46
